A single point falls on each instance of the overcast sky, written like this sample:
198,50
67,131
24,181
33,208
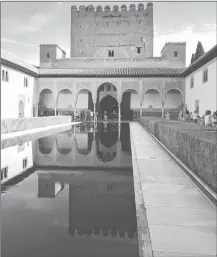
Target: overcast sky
24,26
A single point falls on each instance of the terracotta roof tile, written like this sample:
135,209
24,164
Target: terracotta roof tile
112,72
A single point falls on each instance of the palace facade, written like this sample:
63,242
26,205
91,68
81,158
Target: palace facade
111,68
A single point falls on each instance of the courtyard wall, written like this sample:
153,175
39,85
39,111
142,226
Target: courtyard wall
21,124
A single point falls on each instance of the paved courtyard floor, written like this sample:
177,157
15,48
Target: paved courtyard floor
180,220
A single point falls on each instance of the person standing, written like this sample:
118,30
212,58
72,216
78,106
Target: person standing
105,116
208,119
91,115
195,115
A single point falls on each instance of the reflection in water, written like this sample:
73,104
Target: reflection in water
84,143
46,144
88,212
125,139
100,202
99,142
106,140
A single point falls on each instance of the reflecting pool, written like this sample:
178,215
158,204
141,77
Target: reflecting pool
73,194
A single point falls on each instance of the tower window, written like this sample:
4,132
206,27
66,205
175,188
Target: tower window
4,173
48,55
3,75
205,75
6,76
24,163
111,53
192,82
176,54
138,50
25,82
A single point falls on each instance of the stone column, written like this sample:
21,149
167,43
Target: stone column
75,112
119,131
94,107
163,97
141,96
55,98
140,115
119,112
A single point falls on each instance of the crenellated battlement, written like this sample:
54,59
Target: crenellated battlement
175,43
82,9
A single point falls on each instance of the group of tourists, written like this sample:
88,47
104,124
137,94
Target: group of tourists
208,119
86,115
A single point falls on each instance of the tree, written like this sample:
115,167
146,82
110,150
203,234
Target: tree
199,52
192,58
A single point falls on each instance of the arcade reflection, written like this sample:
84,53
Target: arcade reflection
101,202
88,144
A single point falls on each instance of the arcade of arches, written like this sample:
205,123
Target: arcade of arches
126,104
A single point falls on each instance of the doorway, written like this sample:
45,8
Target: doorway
109,105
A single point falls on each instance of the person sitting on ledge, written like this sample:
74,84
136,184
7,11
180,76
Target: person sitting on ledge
214,119
208,118
167,115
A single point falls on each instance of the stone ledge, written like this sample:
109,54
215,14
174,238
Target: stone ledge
195,147
22,124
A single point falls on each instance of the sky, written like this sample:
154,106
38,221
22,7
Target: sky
26,25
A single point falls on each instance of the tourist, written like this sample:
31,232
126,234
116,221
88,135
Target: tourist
214,118
105,115
187,116
91,115
191,116
181,115
195,116
167,115
95,117
208,118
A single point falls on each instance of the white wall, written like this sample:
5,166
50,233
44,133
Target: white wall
65,100
152,98
15,164
205,92
173,99
82,102
10,92
134,101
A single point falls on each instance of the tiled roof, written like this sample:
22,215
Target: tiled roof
12,61
112,72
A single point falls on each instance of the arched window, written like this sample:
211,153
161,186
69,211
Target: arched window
48,55
109,53
113,54
6,76
176,54
3,75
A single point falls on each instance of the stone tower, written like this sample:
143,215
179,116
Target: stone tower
112,32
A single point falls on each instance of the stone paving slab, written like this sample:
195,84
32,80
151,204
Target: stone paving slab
180,239
170,254
173,216
181,219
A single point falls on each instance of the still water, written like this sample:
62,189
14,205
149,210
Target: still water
74,195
